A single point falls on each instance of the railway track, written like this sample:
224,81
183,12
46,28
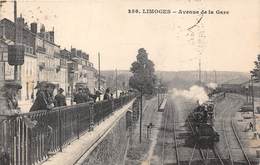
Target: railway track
227,144
175,136
164,133
239,142
231,152
205,157
228,135
166,124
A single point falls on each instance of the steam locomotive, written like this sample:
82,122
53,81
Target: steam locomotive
202,121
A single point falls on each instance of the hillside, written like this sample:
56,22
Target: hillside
180,79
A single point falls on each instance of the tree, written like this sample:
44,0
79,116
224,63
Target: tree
255,73
143,77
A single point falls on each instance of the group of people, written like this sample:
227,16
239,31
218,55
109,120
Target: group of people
83,95
45,99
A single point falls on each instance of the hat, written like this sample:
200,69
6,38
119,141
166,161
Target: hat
60,90
13,84
80,87
49,84
98,92
40,84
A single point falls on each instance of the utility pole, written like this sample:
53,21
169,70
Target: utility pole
116,85
141,115
199,72
99,74
249,91
15,39
215,76
158,95
253,104
206,76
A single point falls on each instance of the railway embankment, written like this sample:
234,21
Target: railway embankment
104,145
141,152
120,138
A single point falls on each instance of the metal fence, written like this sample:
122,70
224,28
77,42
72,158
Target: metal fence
22,144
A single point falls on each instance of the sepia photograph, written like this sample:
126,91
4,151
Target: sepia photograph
129,82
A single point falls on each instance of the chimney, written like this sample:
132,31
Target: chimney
42,30
20,21
73,52
20,25
79,53
34,27
52,36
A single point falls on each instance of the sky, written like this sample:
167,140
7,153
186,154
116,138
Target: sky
226,42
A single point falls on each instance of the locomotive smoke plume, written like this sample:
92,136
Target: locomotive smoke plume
195,93
212,85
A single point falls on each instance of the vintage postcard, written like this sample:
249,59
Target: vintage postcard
129,82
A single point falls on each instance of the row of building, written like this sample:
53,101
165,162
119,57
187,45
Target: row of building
44,60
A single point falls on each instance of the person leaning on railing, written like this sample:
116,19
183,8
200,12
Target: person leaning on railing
60,99
79,96
96,95
11,89
42,101
107,95
45,101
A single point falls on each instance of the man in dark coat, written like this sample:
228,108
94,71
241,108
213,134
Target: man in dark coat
41,101
107,95
95,96
12,88
49,93
60,99
79,96
87,94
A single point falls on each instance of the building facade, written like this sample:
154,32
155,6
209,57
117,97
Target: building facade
22,35
44,60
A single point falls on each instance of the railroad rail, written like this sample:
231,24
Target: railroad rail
203,157
227,142
239,142
175,137
164,133
170,108
224,126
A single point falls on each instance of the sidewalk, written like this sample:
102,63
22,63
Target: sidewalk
78,150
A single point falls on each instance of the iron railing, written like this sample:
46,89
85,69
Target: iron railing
22,144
